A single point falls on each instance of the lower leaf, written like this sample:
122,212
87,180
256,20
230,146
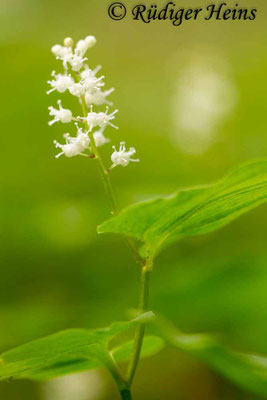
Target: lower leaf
64,352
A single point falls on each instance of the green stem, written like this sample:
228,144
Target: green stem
122,385
126,394
103,171
135,251
107,184
143,304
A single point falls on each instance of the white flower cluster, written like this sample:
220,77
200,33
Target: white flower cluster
82,82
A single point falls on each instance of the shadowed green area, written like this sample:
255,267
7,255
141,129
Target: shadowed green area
246,370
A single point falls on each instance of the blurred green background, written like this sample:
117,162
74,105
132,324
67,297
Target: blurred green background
55,271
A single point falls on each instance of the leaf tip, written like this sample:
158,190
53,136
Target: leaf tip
146,317
99,230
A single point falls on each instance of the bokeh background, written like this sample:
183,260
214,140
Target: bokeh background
192,100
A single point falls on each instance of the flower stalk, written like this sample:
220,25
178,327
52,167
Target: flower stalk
81,81
102,169
121,383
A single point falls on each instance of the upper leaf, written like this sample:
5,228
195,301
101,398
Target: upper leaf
193,211
63,350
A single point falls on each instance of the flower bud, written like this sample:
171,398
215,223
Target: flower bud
68,42
56,49
90,41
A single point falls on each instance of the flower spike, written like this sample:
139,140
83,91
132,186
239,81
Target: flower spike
84,83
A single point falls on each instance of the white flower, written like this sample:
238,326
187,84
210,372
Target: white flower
57,50
99,138
74,145
91,119
77,89
69,149
66,58
75,59
93,84
122,157
61,51
82,138
83,45
61,82
62,114
101,119
76,62
98,98
87,72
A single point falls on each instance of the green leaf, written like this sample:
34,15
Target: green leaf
151,345
246,370
193,211
64,349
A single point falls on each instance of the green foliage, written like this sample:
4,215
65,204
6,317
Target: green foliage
189,212
193,211
66,351
246,370
151,346
78,350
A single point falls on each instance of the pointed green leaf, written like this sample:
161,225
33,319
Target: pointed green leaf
89,347
193,211
151,345
246,370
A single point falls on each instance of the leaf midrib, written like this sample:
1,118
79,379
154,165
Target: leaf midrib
210,200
